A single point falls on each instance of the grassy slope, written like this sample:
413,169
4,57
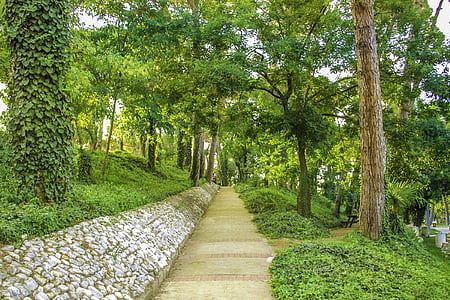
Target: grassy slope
127,185
347,268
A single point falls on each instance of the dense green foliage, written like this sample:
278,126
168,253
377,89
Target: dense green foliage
39,117
128,185
289,224
359,269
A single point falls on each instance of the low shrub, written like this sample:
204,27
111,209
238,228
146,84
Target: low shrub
244,187
361,269
289,224
268,199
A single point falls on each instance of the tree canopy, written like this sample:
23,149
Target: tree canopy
271,86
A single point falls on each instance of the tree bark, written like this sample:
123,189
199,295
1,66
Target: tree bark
99,140
304,193
188,152
108,144
338,201
447,215
212,157
196,158
373,159
181,149
151,148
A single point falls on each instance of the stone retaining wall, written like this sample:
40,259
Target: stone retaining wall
123,257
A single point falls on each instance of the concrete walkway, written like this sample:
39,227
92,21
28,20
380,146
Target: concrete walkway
224,259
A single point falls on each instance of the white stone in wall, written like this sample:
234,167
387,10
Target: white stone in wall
106,258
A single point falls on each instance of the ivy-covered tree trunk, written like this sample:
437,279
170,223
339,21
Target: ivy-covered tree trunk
39,120
373,159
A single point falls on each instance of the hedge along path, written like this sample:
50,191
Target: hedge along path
224,259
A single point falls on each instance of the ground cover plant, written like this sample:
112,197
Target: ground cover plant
350,268
359,268
126,185
276,215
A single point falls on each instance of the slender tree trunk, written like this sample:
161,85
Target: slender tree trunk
196,158
152,142
338,201
212,158
224,172
373,149
108,143
99,141
92,138
181,149
201,173
188,152
304,193
447,215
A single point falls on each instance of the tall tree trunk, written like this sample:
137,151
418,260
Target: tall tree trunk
181,149
212,158
196,158
152,142
224,172
202,162
39,116
304,193
99,140
92,138
188,152
447,215
338,201
373,149
108,143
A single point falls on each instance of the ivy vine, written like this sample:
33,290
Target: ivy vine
39,120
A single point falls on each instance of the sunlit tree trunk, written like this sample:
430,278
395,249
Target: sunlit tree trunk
373,149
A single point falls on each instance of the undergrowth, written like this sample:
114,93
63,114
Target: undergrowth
396,267
276,216
359,268
127,185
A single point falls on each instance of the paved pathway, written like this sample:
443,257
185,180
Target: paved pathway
224,259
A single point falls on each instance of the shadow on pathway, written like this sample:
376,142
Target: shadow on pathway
224,259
